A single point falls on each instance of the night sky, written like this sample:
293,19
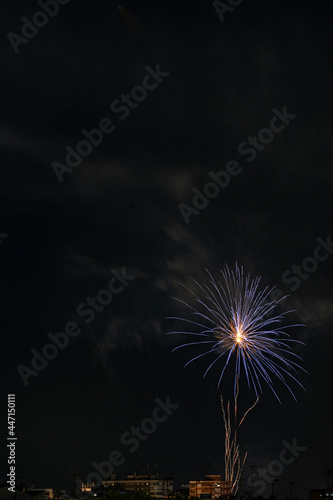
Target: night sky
212,82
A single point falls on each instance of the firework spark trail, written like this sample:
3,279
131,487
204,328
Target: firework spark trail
233,323
233,465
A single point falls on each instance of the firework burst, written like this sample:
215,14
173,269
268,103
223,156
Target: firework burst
238,325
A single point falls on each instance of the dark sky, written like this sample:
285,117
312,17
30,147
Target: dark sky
119,208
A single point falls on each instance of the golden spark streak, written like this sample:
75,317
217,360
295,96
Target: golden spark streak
239,336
